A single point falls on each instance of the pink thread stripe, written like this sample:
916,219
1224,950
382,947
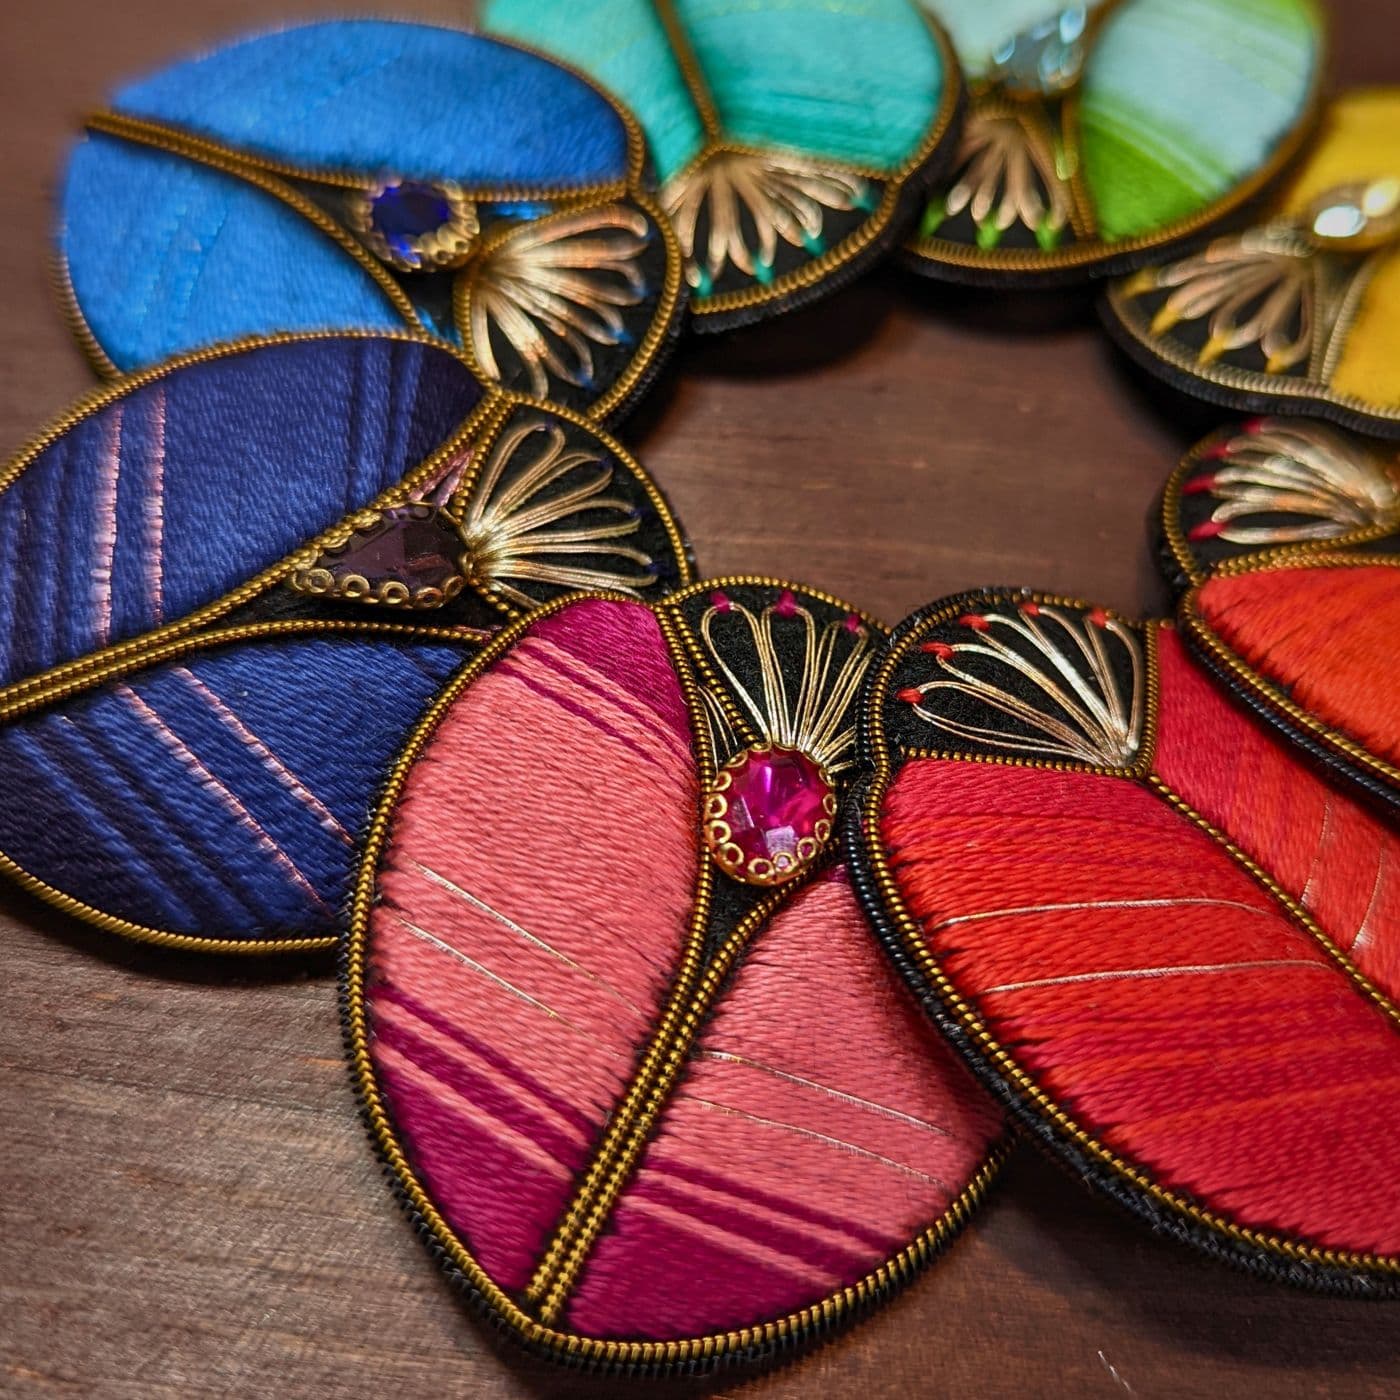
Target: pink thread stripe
465,1074
625,700
106,535
154,509
440,492
188,760
716,1199
433,1089
274,765
584,704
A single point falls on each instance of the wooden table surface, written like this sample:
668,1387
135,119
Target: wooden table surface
189,1205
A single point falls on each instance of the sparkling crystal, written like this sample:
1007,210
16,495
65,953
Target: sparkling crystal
769,814
394,559
1356,217
1044,60
403,213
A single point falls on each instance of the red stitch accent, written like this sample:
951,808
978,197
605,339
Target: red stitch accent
719,601
1098,617
1254,425
1219,452
1206,530
939,649
786,606
854,624
910,696
1197,485
1031,609
972,620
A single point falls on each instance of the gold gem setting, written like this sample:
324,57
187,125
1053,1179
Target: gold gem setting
718,832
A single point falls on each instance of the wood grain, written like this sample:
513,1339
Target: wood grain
189,1204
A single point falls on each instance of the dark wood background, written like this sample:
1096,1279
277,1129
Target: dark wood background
189,1204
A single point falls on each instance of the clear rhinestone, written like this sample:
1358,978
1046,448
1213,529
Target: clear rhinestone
1044,60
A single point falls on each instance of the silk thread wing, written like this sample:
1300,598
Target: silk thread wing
821,1125
1137,988
531,915
505,947
1323,636
221,796
165,254
859,84
179,490
1335,856
1184,99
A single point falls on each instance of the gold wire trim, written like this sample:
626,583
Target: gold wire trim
1129,314
142,933
485,442
81,673
658,330
646,1096
1086,255
911,936
869,231
1180,547
268,174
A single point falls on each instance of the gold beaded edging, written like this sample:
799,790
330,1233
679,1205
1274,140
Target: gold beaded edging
985,1047
695,988
718,832
80,673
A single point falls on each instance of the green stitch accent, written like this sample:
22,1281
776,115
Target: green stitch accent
988,235
934,214
1047,235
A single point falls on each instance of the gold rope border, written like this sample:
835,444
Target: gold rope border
527,1328
986,1046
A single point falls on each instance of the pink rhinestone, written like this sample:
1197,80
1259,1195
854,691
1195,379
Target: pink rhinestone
769,814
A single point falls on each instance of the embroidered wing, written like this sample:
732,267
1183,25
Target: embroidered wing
653,1114
231,586
1156,950
784,135
337,175
1283,534
1295,311
1096,131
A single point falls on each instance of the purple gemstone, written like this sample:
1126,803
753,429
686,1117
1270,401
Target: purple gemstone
402,214
415,545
